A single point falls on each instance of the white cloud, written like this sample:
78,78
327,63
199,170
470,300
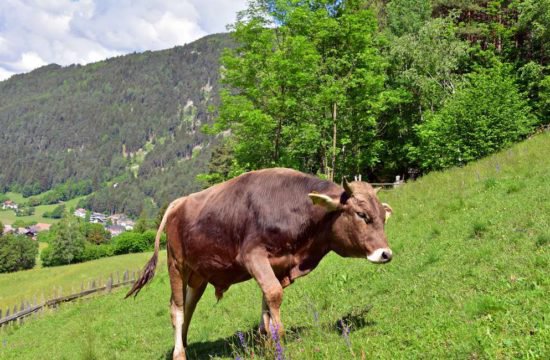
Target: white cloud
37,32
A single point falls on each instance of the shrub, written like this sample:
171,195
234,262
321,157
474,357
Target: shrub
485,114
17,252
25,211
130,242
56,213
93,252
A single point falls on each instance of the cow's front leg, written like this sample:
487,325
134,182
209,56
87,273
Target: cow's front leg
266,318
260,268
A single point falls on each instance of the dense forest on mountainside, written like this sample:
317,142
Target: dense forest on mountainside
115,120
336,88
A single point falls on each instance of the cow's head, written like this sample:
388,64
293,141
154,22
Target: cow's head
358,229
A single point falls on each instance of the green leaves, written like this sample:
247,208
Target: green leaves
17,252
486,113
305,92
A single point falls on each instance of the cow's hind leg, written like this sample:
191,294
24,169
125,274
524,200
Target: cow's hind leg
178,284
260,268
195,289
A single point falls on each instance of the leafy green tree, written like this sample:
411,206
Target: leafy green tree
303,87
407,16
142,223
485,114
95,233
67,245
532,31
17,252
160,215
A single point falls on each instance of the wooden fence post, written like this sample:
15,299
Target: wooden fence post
397,181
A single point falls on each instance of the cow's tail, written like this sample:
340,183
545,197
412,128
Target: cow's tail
149,269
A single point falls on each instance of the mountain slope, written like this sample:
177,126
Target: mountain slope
138,112
469,279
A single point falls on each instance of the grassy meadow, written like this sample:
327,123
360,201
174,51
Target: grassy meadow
9,217
469,280
25,285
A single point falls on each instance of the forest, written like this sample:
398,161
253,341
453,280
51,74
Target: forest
335,88
131,121
381,88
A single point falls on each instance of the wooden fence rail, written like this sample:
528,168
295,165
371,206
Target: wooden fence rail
398,182
28,308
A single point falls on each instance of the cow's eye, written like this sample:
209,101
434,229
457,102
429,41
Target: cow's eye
365,217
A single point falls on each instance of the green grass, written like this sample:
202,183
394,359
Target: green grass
8,216
469,280
25,285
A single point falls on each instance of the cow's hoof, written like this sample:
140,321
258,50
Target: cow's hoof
261,329
179,356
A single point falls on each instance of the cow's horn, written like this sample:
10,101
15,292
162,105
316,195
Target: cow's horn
347,187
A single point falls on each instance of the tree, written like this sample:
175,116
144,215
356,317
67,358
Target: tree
424,70
407,16
67,245
303,87
17,252
486,113
95,233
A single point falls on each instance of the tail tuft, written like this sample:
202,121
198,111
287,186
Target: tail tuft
148,273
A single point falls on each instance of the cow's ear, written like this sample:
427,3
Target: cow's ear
389,211
325,201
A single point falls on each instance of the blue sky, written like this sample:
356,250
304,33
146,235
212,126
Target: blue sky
34,33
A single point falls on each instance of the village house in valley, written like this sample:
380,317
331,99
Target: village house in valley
9,205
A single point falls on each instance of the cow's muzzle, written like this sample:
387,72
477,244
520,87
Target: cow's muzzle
380,256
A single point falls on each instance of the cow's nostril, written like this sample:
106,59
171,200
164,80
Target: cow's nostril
386,255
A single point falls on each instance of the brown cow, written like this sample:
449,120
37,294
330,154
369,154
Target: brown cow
273,225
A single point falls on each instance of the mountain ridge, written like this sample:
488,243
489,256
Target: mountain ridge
114,119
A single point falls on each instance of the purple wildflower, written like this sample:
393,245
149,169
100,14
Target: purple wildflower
278,347
242,340
345,333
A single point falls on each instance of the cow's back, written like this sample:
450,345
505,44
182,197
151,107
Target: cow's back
268,208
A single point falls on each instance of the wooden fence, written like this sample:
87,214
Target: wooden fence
398,181
29,308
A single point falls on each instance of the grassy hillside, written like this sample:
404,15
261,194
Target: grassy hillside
20,285
469,280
